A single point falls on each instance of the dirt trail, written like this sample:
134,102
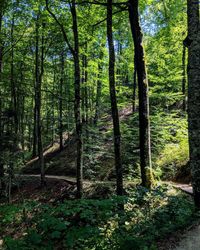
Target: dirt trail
190,241
187,188
72,180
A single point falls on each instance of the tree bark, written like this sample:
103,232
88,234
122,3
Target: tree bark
14,103
35,138
61,102
144,123
1,64
114,108
134,88
77,102
86,87
194,95
77,107
184,78
39,70
99,87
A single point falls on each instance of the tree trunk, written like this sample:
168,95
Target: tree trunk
184,78
194,95
83,89
79,167
35,137
1,62
77,101
134,88
115,116
144,123
40,143
61,102
86,87
99,87
39,70
13,83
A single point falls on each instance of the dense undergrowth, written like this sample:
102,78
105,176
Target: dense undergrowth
148,216
169,141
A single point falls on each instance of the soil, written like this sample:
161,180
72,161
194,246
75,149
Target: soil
30,188
184,239
57,189
63,162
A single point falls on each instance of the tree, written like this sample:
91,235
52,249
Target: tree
62,64
144,122
99,89
193,43
2,7
77,81
184,78
114,108
39,71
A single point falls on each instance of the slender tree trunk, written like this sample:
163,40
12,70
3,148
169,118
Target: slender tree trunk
39,70
99,87
115,116
52,108
82,90
145,147
14,103
134,88
77,101
193,43
35,137
119,70
184,78
79,166
2,184
2,6
1,64
22,111
61,102
86,86
39,126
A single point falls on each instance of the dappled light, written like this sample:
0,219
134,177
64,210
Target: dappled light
99,125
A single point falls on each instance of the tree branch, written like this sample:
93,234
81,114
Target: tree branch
122,9
103,4
61,27
14,44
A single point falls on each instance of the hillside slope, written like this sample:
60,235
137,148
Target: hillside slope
97,140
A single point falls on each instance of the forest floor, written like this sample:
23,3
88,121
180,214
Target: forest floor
187,238
61,190
191,240
59,162
187,188
58,188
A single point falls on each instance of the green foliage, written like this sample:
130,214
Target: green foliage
170,143
100,224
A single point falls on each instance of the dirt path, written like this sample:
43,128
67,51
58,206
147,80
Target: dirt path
187,188
190,241
70,179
